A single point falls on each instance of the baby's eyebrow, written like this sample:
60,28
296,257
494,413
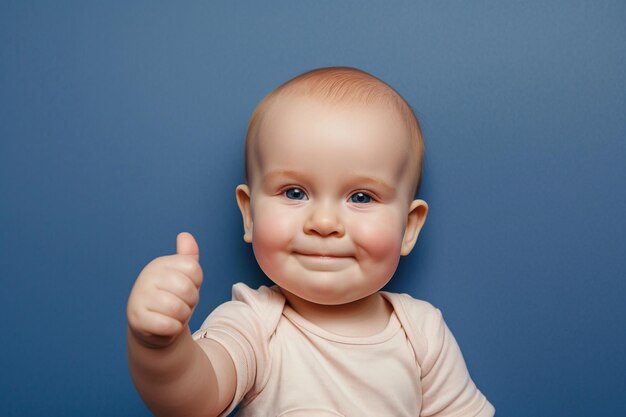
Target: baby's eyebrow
283,173
364,179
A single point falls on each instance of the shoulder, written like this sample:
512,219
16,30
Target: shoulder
406,298
244,327
420,312
422,322
260,299
249,308
446,385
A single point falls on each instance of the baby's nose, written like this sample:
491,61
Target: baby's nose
324,221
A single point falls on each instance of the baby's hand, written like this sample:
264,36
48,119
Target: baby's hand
165,294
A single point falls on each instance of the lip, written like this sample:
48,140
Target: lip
322,255
323,261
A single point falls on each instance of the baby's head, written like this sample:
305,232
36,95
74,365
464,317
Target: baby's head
337,86
333,162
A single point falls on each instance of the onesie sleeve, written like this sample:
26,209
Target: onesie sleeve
243,328
447,388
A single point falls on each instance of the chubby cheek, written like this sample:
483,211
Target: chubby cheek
380,240
271,237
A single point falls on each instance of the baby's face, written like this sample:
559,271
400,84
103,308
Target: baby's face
330,195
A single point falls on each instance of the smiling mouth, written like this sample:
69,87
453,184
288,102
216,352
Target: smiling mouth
323,261
322,255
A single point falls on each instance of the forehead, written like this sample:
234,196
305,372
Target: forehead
313,132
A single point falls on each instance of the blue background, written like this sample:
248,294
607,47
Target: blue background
122,124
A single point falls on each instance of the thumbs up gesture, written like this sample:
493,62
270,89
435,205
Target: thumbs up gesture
165,295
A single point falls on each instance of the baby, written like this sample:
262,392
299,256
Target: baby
333,164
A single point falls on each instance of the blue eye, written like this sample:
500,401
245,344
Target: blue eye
360,198
295,194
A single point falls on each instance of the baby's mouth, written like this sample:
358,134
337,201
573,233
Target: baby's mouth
321,255
323,261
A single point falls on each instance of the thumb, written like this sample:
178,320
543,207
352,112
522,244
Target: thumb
187,245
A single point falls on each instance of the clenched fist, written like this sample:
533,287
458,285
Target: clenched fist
165,295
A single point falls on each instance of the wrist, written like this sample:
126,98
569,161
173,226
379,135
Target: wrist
155,342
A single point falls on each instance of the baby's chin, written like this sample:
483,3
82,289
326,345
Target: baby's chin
325,297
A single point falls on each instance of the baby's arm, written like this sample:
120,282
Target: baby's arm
175,375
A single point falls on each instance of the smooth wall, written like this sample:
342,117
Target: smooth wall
122,124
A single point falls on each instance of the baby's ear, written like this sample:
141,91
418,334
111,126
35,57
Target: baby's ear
243,201
416,218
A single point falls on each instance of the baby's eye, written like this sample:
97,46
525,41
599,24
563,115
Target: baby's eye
295,194
360,198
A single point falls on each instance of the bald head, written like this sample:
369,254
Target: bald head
339,85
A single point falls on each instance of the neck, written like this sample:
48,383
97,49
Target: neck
364,317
